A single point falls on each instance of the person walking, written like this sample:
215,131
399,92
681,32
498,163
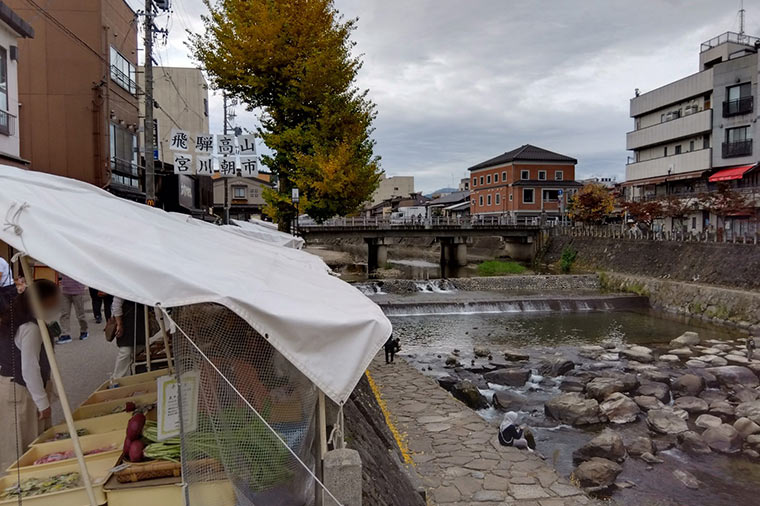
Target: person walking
72,295
6,275
130,333
25,386
101,303
391,347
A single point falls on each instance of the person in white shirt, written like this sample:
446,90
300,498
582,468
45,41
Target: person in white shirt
25,386
6,275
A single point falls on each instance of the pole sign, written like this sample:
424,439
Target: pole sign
211,155
294,195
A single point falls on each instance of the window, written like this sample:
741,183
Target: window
693,222
5,118
665,152
738,100
488,199
238,192
510,197
474,182
706,142
488,179
504,177
481,180
738,142
524,174
498,199
550,195
741,134
691,145
205,107
254,192
480,200
678,149
496,178
529,196
123,150
542,175
558,175
123,72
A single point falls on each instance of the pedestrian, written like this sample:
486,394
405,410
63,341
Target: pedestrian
25,387
391,347
72,294
510,434
101,303
6,275
129,334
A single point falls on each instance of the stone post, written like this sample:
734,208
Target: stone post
343,477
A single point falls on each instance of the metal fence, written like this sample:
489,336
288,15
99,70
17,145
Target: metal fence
616,231
438,221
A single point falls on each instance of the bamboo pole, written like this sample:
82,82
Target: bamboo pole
147,337
162,324
56,373
322,438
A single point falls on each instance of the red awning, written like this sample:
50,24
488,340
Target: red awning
732,173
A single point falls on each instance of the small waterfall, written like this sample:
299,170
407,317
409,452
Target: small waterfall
435,286
369,288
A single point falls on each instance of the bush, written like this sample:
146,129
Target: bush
567,259
500,268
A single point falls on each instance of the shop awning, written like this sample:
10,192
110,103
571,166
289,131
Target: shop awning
322,325
731,173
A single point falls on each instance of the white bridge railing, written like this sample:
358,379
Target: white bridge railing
448,221
616,231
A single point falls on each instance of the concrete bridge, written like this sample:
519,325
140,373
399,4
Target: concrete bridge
451,233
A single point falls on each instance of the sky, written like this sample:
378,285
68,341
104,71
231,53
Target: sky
457,82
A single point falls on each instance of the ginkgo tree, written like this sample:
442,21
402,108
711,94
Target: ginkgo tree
293,61
592,204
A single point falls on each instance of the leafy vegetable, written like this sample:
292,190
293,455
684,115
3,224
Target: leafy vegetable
38,486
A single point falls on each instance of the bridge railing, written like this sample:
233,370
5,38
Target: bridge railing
616,231
437,221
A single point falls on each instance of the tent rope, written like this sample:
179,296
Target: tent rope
12,216
242,397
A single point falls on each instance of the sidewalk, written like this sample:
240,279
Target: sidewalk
456,453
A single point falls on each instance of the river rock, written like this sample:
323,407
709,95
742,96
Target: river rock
749,410
695,364
481,351
688,479
629,380
743,394
666,421
572,385
746,427
620,409
754,441
574,409
681,352
557,366
686,339
607,445
509,401
447,382
736,359
649,458
609,357
590,351
722,409
723,438
692,405
515,355
657,376
706,421
687,384
647,402
638,353
508,377
469,394
712,395
735,375
713,360
692,442
452,361
597,473
640,445
601,388
669,358
659,390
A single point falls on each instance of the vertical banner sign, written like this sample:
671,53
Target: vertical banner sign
204,166
294,195
183,164
204,144
246,145
227,167
248,166
225,145
168,404
180,140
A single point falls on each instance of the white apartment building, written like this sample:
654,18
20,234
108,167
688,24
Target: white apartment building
394,186
695,132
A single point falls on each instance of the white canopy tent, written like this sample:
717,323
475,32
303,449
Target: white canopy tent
322,325
266,233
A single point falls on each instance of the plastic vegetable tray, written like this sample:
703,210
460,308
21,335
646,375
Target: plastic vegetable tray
125,392
88,443
169,492
99,471
100,425
134,380
109,407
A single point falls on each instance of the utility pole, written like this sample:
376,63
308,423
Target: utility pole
150,169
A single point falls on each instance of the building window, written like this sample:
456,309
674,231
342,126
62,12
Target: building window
510,197
496,177
481,180
529,196
5,117
738,100
706,142
474,182
123,72
665,151
738,142
123,149
498,199
524,174
542,175
558,175
550,195
693,222
504,176
691,145
488,179
678,149
488,199
238,192
480,200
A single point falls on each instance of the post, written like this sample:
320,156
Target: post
48,344
322,421
226,180
150,176
162,324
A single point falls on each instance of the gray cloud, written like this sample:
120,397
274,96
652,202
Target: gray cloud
457,82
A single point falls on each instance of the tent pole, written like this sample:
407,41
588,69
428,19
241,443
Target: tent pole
56,373
162,324
147,337
322,438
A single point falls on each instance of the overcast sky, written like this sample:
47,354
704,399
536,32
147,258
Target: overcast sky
459,81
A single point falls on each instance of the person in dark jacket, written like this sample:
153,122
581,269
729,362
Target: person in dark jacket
130,334
392,346
510,434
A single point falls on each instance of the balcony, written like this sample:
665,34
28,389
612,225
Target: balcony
685,126
123,80
7,124
677,91
743,105
737,149
670,165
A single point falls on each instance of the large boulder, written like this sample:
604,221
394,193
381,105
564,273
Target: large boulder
746,427
509,401
749,410
688,384
655,389
692,405
729,375
601,388
515,355
574,409
629,380
447,382
468,393
508,377
706,421
481,351
638,353
640,445
597,473
607,445
724,439
723,410
692,442
667,421
620,409
556,366
647,402
686,339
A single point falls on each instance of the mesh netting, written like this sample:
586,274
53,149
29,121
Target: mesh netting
234,458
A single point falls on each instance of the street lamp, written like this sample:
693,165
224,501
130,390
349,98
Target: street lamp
294,197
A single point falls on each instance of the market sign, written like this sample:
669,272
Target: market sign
168,405
212,155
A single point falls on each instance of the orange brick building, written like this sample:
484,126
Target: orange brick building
524,182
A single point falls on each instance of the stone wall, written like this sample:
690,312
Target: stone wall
724,264
538,283
738,308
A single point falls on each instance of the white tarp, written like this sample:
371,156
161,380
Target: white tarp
266,233
324,326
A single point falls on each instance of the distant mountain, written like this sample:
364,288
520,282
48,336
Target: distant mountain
442,190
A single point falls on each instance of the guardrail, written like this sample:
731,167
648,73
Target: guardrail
390,223
720,235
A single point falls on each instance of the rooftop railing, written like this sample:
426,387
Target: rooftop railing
724,38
